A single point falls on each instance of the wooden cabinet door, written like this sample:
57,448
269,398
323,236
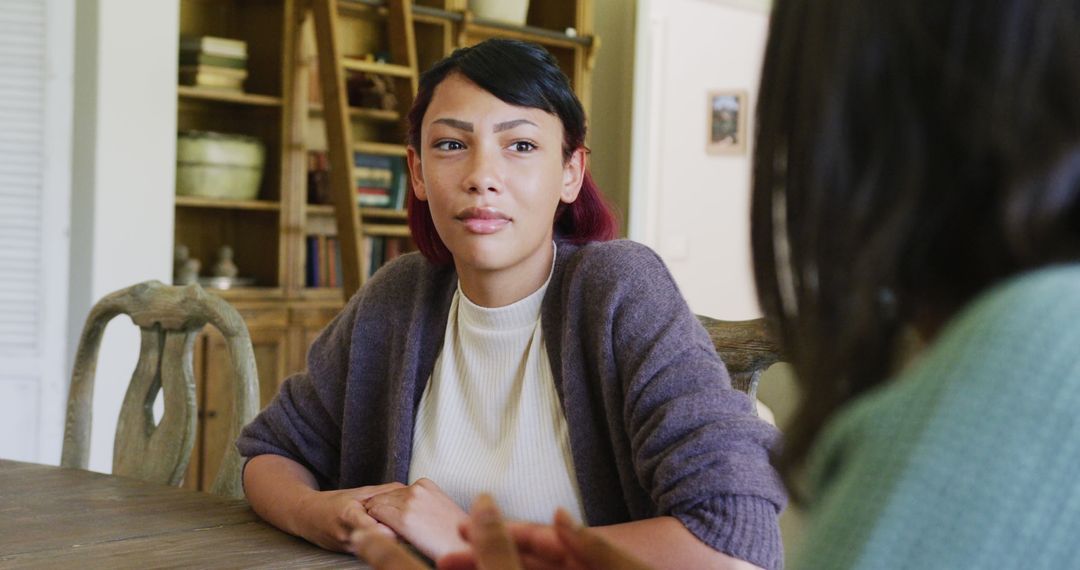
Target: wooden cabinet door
269,347
214,394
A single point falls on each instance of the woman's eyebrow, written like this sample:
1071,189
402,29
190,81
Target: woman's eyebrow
457,124
506,125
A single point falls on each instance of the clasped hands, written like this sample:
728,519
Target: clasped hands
420,513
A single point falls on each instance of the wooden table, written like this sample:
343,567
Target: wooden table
54,517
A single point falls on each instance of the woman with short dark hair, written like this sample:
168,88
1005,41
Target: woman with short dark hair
521,353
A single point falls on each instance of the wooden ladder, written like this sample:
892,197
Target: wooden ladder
333,67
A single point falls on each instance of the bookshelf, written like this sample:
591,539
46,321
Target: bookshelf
280,106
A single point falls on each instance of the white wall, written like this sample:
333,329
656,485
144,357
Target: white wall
123,179
693,208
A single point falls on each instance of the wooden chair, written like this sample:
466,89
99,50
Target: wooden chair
170,318
746,349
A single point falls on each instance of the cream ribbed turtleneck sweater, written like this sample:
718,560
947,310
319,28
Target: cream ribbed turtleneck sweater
489,419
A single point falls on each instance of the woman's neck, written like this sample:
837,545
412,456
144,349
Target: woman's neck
505,286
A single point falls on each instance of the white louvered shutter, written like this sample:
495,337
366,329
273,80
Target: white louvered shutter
22,90
35,172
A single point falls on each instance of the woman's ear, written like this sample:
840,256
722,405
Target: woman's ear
573,176
416,174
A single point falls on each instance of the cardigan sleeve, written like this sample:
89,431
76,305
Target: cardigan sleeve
697,446
303,421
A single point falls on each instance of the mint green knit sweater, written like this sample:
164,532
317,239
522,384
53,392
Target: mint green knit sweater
971,457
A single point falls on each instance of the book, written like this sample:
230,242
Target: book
378,250
399,190
376,177
373,197
324,267
311,262
211,80
369,246
199,58
332,265
213,45
339,280
214,70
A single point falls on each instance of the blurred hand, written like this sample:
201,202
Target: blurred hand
588,549
495,549
563,545
497,545
328,518
421,514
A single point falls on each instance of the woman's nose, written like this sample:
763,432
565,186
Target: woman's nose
483,173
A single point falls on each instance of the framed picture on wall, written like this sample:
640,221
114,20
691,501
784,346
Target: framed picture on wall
727,122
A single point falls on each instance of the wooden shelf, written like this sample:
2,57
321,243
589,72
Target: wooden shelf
381,115
386,230
224,204
384,213
380,148
246,293
321,293
544,37
222,96
378,68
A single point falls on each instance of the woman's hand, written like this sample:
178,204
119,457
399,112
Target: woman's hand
421,514
328,518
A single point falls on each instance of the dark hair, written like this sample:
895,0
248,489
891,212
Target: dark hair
525,75
910,153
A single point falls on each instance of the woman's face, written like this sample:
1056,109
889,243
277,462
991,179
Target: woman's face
492,174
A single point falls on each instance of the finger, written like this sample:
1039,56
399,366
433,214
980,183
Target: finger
461,560
538,540
530,538
591,547
396,498
386,513
362,493
491,540
383,553
467,561
533,562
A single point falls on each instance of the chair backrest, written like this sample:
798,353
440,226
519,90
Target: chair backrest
170,318
746,349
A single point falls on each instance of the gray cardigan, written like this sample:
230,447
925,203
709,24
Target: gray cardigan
655,427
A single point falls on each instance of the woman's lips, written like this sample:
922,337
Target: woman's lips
483,220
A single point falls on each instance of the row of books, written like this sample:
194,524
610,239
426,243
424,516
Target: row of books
381,181
213,62
323,265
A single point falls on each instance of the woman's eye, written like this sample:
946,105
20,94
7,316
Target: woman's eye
449,145
523,146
